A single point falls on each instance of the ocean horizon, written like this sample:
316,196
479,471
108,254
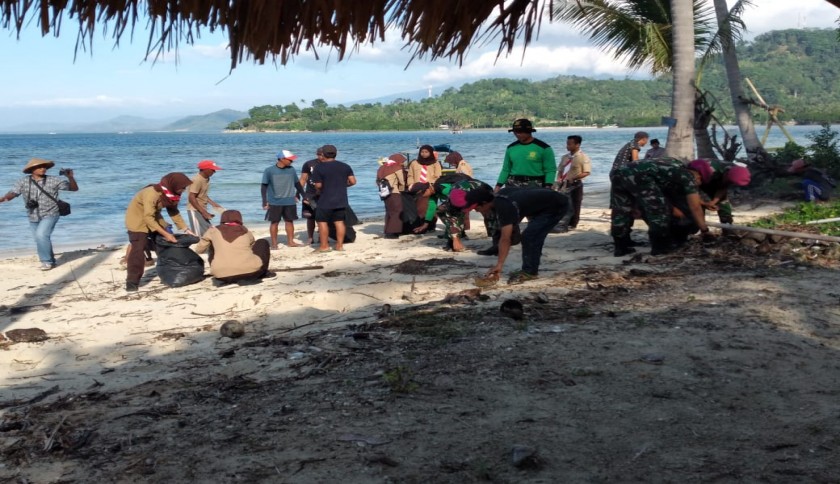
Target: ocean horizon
111,167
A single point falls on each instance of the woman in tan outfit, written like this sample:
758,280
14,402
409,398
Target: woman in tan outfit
234,254
425,169
392,172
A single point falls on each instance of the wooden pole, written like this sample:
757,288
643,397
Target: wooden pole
823,221
781,233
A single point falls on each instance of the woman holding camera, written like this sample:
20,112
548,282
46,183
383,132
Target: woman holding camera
40,196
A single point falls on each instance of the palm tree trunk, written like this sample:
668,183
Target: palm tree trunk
736,91
681,133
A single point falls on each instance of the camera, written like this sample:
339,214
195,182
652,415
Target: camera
62,172
32,204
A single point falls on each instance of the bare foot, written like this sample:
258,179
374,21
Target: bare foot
293,244
274,247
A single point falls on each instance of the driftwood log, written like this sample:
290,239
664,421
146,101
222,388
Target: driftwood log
780,233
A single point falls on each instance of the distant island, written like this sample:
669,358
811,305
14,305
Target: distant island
797,69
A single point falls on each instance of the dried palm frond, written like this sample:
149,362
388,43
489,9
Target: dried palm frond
279,29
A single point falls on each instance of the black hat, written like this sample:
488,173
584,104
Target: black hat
522,125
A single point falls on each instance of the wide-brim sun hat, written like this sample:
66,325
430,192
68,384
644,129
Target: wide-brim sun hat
37,162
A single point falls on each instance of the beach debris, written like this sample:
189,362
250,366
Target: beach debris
466,296
232,329
362,439
488,281
381,459
512,309
542,298
427,266
28,335
384,312
524,457
653,358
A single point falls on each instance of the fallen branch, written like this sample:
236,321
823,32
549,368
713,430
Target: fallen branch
823,221
292,269
49,442
37,398
780,233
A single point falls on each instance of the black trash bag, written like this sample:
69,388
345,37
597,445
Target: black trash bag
177,264
350,219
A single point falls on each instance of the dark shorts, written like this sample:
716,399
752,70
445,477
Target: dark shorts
330,214
276,212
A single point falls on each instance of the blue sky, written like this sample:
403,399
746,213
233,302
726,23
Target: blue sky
41,81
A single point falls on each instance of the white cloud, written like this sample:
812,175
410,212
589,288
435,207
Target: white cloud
539,61
98,101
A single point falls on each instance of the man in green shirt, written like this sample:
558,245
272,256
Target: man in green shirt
529,162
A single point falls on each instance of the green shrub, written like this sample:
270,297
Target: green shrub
824,151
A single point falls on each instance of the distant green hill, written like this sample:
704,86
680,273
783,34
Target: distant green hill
207,122
796,69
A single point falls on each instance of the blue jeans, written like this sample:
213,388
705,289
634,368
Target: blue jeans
42,230
533,237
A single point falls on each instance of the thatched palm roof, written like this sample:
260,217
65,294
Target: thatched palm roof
278,29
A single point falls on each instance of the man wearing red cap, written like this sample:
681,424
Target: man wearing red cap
197,213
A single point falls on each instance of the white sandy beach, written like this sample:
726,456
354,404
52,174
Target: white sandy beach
101,335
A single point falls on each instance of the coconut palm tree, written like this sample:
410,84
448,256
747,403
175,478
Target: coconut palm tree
681,130
726,19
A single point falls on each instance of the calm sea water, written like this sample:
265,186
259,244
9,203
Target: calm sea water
111,168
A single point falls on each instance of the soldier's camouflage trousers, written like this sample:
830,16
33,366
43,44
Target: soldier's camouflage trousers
627,193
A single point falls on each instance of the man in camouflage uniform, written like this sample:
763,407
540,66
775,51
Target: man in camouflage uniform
658,189
446,202
716,185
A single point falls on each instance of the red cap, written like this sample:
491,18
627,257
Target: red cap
208,165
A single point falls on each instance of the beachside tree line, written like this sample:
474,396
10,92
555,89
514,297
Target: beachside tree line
798,69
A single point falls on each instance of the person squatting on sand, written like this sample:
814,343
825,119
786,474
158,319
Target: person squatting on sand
280,190
40,198
307,207
447,200
331,179
390,178
543,208
143,220
233,252
573,168
816,184
665,191
715,179
197,214
424,169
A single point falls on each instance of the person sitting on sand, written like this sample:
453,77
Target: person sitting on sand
143,221
280,191
424,169
233,252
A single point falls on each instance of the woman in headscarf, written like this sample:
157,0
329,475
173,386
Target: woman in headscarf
391,178
143,220
425,169
234,254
